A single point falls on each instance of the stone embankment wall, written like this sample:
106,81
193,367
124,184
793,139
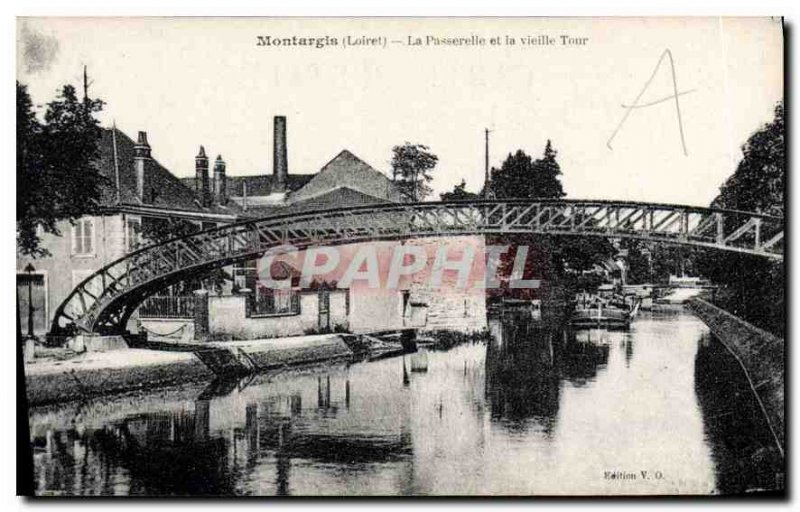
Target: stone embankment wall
95,374
760,354
78,382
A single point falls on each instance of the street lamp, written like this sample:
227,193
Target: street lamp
29,268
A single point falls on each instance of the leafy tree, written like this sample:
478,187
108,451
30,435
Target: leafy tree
157,230
753,287
650,262
412,165
547,172
514,179
459,193
56,177
521,177
760,180
579,253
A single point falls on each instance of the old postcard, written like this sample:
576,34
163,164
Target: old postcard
400,256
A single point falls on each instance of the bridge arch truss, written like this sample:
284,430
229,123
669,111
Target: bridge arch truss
104,301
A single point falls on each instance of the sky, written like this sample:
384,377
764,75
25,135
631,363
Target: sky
193,81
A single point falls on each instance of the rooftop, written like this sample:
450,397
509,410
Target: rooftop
162,189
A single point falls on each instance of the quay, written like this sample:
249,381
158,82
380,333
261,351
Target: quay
93,374
759,353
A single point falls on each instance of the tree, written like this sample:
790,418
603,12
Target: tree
412,165
157,230
56,176
459,193
759,181
753,287
521,177
547,172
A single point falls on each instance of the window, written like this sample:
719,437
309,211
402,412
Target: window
245,275
133,230
83,237
268,301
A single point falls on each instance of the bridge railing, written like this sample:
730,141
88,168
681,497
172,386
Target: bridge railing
167,306
89,305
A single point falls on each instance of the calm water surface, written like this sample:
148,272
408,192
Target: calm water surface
661,409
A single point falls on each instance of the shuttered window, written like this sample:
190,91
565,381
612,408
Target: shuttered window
83,237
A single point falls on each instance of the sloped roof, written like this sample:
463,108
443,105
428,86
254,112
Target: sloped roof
336,198
347,170
257,185
161,188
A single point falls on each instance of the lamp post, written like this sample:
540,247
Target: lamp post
29,268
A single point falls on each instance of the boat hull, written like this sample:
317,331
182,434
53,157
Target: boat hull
609,319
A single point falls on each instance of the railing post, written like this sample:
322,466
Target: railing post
201,323
757,227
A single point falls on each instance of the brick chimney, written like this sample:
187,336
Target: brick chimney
141,154
201,177
220,193
280,167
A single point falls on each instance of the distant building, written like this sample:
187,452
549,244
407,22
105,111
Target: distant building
344,181
261,312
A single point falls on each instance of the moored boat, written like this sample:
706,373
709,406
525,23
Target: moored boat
592,311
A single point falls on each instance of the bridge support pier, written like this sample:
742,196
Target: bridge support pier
201,323
90,342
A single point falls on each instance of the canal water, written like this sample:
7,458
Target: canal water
661,409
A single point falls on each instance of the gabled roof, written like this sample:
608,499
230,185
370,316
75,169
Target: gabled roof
339,197
161,188
257,185
347,170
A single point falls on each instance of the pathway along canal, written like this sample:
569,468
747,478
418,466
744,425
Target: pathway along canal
661,409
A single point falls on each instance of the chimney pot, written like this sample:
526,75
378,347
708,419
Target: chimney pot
201,177
141,154
280,166
220,181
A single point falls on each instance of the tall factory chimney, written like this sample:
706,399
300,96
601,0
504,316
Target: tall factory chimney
280,167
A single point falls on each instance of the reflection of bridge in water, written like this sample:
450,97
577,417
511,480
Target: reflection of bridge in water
528,407
204,447
105,300
527,362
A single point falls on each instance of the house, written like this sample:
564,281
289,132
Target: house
140,195
137,193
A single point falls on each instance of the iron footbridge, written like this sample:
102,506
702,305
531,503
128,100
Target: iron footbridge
104,301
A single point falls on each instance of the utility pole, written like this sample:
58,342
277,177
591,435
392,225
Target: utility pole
486,165
30,270
85,85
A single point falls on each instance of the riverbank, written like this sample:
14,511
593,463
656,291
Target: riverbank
760,354
93,374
